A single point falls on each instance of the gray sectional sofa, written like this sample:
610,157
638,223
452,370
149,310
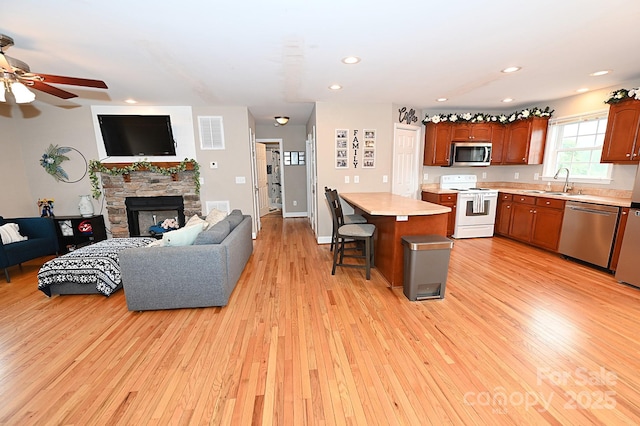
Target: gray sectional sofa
199,275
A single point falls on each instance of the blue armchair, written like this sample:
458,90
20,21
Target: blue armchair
42,241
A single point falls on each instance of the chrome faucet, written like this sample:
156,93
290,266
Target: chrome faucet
566,187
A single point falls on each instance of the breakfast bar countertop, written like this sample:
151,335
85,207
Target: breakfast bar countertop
388,204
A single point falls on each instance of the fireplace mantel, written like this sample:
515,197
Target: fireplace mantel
161,164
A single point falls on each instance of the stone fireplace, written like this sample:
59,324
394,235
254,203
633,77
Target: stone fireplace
141,183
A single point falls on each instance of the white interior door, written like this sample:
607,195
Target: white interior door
261,172
406,156
312,180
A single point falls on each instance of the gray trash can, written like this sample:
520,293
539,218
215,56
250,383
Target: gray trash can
426,264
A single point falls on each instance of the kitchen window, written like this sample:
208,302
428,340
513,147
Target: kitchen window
576,143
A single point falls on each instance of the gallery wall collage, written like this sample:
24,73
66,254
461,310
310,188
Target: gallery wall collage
355,148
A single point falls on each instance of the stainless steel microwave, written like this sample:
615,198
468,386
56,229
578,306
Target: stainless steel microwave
470,154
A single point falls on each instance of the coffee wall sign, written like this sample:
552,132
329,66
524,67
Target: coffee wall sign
407,116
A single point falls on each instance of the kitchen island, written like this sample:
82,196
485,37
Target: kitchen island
394,217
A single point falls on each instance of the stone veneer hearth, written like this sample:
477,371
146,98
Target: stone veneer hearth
146,184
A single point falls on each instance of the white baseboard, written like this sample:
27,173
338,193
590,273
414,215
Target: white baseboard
324,240
295,214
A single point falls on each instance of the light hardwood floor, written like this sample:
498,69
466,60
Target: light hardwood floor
522,337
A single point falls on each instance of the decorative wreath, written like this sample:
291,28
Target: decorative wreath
52,161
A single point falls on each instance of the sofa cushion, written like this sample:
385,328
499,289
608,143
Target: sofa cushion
235,219
181,237
215,216
215,234
10,233
2,221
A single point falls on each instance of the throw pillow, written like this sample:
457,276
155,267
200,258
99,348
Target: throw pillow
10,233
215,216
214,235
156,243
194,220
182,237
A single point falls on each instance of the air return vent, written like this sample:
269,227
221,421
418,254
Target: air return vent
211,132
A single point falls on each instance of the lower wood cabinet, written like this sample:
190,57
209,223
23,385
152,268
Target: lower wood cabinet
622,226
449,200
533,220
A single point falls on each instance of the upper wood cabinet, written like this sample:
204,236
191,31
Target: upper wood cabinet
498,132
471,132
520,142
525,141
621,144
437,144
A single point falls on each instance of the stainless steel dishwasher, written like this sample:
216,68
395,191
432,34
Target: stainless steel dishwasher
588,231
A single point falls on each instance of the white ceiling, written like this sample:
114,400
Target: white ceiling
279,57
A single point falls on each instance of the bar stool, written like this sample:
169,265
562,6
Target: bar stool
348,218
352,232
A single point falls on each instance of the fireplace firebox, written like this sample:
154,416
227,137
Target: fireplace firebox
144,212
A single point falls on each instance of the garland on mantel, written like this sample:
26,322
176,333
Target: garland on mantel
96,166
480,117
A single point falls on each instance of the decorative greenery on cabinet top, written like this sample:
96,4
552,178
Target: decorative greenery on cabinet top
479,117
623,95
96,166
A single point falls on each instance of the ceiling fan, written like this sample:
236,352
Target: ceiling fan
17,78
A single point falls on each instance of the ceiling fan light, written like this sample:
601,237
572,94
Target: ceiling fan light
21,93
282,120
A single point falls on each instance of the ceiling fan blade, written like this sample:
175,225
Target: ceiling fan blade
4,63
44,87
59,79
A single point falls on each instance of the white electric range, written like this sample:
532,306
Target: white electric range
475,208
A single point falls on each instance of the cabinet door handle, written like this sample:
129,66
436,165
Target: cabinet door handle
508,207
628,155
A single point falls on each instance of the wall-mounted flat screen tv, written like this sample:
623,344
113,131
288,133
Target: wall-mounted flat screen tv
137,135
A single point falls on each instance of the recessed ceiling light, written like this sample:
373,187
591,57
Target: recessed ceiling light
131,101
599,73
335,87
442,99
507,100
511,69
582,90
351,60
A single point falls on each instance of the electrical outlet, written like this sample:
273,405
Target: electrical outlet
346,179
240,179
484,175
536,176
516,175
295,203
425,177
385,179
213,164
356,179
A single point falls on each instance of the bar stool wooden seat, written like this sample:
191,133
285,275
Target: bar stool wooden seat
348,218
359,232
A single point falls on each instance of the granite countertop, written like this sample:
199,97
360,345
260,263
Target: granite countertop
584,198
387,204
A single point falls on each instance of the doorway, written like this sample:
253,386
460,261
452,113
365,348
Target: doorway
270,183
